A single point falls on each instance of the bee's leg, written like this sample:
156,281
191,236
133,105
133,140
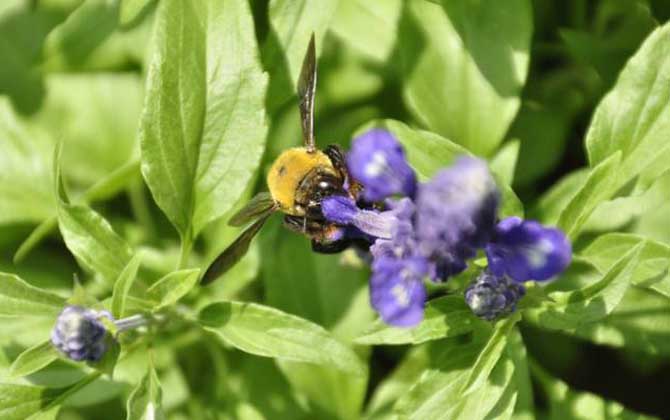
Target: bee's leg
296,224
336,156
334,152
330,247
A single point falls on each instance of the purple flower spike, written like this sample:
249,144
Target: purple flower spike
456,214
79,334
491,297
343,210
526,250
397,291
377,161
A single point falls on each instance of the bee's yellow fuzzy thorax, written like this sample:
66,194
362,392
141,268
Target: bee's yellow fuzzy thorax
288,170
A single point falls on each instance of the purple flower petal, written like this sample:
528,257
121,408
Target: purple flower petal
526,250
456,213
397,291
79,334
377,161
343,210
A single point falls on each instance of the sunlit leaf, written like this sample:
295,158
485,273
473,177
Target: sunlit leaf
464,63
268,332
203,128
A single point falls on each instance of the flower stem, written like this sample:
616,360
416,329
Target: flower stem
131,322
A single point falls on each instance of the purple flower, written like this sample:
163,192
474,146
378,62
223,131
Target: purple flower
491,297
456,214
526,250
79,334
377,161
397,291
343,211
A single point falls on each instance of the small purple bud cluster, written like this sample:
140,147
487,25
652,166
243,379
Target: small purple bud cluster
491,297
79,334
430,230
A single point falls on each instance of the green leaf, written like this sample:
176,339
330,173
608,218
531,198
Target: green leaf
71,43
306,290
122,286
370,27
598,187
25,178
33,359
436,394
145,401
444,317
268,332
292,23
568,310
634,117
203,128
93,241
489,356
172,287
18,298
640,322
395,385
87,234
552,203
652,270
20,402
516,350
132,9
96,116
504,162
568,404
465,62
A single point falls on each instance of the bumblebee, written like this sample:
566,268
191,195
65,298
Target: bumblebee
297,182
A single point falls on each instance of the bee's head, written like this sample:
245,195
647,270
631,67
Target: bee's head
287,173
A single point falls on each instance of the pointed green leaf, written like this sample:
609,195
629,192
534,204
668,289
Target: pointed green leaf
123,285
488,357
598,187
465,62
73,41
504,162
292,23
18,298
93,241
444,317
20,402
203,128
568,404
25,179
652,270
436,394
131,9
33,359
634,118
370,27
268,332
172,287
568,310
145,401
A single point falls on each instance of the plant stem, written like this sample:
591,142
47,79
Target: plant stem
131,322
186,245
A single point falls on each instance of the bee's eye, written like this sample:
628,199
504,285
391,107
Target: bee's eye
324,185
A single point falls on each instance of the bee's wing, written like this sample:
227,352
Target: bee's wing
261,205
306,92
234,252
